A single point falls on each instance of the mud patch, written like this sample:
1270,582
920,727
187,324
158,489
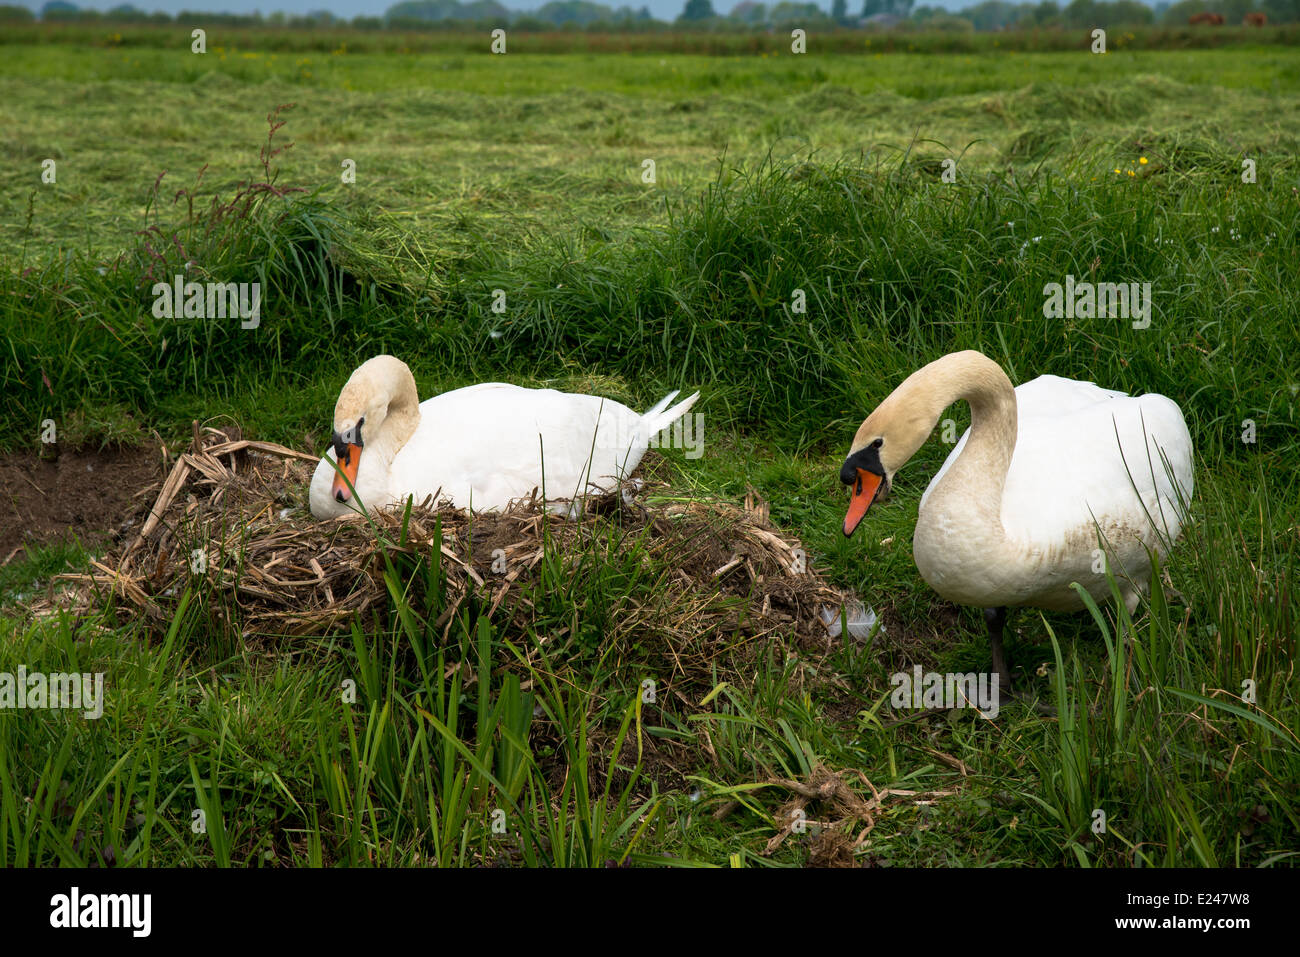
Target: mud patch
83,493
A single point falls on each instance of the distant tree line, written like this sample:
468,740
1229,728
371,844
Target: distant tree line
747,14
558,13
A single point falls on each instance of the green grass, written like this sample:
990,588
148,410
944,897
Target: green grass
830,184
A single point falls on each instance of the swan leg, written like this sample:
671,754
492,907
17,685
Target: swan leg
996,619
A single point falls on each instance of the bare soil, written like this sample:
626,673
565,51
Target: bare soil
83,493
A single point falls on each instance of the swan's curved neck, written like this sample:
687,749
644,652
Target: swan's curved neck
386,383
402,419
978,476
399,425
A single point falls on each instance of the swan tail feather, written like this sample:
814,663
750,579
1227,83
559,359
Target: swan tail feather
661,404
660,416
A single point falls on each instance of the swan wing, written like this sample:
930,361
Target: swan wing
1123,461
485,444
1085,458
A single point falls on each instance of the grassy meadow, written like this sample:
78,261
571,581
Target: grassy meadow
772,173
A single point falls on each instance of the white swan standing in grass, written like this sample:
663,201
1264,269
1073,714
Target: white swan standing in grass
1047,474
480,446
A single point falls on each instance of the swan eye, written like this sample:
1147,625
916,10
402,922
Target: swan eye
878,443
352,436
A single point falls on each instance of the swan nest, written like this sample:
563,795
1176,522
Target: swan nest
230,521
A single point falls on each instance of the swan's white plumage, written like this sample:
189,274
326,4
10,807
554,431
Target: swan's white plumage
1055,480
1085,459
483,446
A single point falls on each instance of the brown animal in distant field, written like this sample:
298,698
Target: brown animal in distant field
1212,19
1254,20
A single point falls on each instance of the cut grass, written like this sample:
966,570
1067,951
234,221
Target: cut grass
480,156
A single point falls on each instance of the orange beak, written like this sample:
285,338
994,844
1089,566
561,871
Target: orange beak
864,493
347,466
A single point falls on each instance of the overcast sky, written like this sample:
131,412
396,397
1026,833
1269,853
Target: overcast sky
662,9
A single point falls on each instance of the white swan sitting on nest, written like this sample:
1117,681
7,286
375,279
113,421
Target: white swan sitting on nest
480,446
1047,474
